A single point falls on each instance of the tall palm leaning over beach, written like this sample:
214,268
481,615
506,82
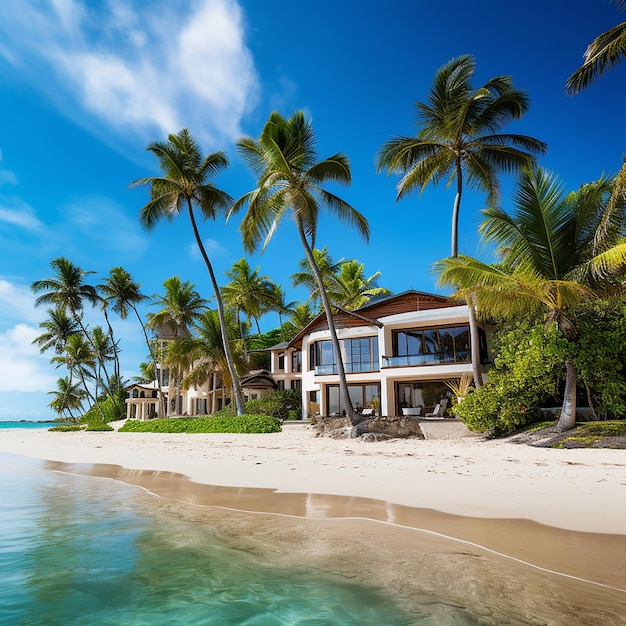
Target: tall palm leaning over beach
289,183
605,51
183,186
458,141
557,250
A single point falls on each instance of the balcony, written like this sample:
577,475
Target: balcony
412,360
350,368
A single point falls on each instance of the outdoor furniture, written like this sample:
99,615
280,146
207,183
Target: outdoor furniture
439,409
368,412
414,411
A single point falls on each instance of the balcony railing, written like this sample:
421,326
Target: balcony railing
416,359
350,368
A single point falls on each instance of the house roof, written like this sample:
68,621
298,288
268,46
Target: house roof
258,379
404,302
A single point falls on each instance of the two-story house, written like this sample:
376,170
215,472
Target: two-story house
397,352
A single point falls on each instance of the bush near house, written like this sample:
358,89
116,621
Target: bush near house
283,405
248,423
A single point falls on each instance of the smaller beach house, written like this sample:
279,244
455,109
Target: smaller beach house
398,353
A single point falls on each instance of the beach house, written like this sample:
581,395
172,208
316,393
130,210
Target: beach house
398,353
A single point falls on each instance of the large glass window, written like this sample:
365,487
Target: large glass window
362,397
428,346
321,354
361,354
420,394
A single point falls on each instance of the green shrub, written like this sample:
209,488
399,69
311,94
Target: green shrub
98,425
526,372
282,405
248,423
66,428
113,408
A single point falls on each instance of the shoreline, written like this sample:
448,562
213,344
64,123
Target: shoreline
572,489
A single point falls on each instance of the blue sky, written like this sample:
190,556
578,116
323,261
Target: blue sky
86,85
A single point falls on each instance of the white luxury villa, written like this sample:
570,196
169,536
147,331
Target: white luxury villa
398,353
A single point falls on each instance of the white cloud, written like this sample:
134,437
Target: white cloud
22,367
16,212
141,67
17,303
212,246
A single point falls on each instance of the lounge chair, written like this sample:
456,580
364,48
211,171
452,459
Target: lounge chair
439,409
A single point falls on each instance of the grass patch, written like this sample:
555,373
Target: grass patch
604,429
249,423
533,428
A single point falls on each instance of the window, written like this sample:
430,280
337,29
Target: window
281,385
362,397
424,394
281,361
296,361
296,384
430,346
361,354
322,355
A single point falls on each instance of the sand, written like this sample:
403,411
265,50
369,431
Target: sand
580,489
529,535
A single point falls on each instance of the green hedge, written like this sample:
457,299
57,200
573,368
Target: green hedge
248,423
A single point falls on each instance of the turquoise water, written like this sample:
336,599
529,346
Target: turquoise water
81,550
27,424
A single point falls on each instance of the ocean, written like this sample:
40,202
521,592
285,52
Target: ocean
81,550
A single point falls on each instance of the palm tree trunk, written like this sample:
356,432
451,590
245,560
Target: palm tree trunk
343,384
474,343
238,393
567,419
455,211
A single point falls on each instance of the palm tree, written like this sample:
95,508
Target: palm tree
67,289
80,361
459,139
305,277
553,247
184,184
248,292
354,288
67,398
180,308
124,295
605,51
203,353
280,304
289,182
58,328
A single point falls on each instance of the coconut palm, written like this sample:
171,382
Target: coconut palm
202,354
67,398
305,277
552,247
185,184
181,306
80,361
458,138
280,304
248,292
354,288
123,294
605,51
58,328
290,181
67,289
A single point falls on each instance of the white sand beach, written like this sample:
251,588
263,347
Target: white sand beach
581,490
